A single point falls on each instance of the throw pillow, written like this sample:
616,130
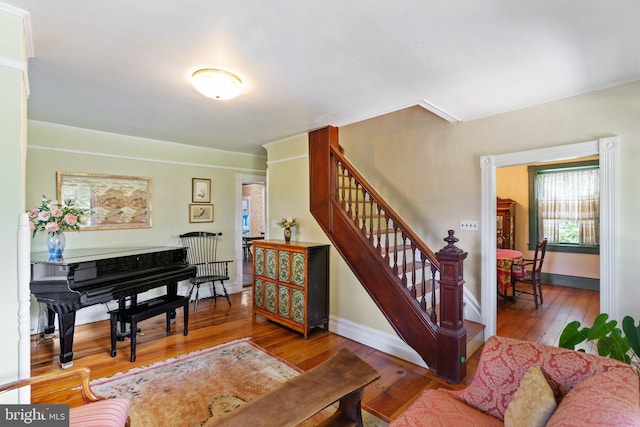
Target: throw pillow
533,402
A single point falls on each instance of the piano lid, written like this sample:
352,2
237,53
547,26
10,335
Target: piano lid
77,256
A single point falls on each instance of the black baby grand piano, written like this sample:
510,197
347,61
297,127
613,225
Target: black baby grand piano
86,277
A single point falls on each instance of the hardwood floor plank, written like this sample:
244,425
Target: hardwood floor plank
215,323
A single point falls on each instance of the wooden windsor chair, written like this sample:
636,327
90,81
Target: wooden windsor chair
531,282
202,248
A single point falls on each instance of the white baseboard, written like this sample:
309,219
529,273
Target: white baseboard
99,312
472,308
382,341
389,343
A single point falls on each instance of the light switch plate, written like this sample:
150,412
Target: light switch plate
468,225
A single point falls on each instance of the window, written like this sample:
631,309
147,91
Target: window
564,206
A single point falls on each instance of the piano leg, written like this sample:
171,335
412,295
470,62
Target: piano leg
50,327
66,327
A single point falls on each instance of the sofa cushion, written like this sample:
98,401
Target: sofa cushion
533,402
441,408
605,399
504,361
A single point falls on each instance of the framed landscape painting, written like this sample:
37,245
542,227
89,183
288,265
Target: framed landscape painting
114,201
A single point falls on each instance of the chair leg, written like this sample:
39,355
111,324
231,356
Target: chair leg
535,293
195,301
185,312
226,294
214,293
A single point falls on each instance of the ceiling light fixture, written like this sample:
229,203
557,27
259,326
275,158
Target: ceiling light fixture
217,84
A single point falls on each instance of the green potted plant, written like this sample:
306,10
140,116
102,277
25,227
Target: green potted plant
623,345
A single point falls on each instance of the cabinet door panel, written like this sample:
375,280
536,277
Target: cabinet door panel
270,297
284,302
258,261
271,264
298,308
284,266
258,293
298,269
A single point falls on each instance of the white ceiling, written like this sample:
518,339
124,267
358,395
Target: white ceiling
123,66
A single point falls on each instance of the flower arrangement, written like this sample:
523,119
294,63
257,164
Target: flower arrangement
54,218
288,222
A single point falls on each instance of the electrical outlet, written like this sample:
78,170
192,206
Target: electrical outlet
468,225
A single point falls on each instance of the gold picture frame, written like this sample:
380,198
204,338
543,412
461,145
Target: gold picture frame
113,201
200,190
200,213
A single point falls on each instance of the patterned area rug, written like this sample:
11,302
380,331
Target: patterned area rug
189,390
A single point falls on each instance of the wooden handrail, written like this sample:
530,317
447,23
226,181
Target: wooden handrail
397,219
360,224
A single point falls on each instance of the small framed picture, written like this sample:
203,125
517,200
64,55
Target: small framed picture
200,190
200,213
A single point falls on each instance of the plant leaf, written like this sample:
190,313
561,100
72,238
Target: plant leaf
614,346
572,335
632,333
601,327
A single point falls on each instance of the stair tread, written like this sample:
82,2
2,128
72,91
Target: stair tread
473,329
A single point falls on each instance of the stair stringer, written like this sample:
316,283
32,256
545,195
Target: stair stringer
404,314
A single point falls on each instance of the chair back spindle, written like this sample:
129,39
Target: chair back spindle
532,278
202,251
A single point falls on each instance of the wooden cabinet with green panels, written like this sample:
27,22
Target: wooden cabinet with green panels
291,283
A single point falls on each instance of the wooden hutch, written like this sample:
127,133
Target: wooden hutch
291,283
506,223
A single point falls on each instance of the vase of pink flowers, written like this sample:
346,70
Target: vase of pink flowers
55,218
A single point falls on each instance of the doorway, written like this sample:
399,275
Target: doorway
252,222
570,280
607,150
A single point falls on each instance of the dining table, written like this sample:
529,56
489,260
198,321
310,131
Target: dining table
509,264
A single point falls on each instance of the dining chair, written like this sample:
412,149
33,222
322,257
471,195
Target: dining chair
202,248
531,282
96,410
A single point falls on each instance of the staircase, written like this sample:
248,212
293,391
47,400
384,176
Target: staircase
419,291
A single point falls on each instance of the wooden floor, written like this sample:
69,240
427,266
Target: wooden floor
215,322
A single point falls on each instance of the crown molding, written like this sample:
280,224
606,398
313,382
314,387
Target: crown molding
26,23
17,64
439,111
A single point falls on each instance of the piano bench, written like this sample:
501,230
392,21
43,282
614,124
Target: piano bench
166,304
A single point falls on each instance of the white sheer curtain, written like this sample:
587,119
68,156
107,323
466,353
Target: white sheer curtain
569,196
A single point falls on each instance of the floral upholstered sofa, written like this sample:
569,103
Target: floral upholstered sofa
585,390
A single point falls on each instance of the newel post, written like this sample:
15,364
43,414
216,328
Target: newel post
451,359
321,185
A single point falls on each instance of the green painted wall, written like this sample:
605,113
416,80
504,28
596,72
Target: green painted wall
12,143
171,167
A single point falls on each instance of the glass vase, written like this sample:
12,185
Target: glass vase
56,243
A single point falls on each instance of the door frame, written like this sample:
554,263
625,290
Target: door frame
607,150
240,180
